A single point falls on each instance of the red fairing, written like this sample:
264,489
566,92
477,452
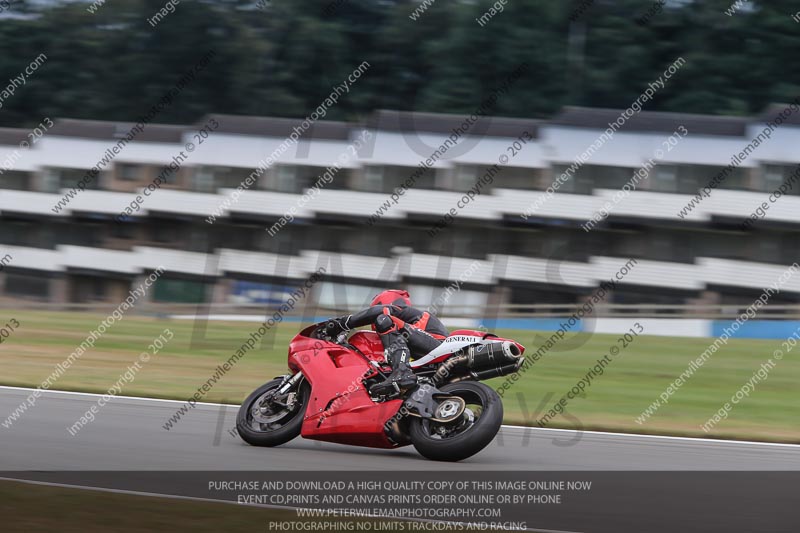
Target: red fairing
340,409
368,343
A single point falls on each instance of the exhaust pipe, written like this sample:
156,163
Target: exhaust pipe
483,361
496,372
492,355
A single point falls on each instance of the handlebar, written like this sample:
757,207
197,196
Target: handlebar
330,331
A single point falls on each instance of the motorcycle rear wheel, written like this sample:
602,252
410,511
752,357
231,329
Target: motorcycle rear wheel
261,422
465,436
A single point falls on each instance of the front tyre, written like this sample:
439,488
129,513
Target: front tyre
266,419
468,434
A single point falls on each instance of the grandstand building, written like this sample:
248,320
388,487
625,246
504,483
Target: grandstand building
525,212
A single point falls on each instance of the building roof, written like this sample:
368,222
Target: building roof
652,121
407,121
102,130
280,127
486,126
12,136
773,110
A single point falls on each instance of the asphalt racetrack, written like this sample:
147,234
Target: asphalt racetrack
695,480
128,434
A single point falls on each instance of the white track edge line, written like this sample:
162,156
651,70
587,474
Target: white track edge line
229,502
139,398
627,435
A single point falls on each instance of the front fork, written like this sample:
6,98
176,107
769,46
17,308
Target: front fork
272,397
289,382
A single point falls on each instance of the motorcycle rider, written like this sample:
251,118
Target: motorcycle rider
405,332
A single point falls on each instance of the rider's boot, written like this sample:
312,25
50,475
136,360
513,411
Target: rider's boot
402,376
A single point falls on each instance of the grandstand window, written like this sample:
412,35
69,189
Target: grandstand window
369,243
292,179
526,243
197,240
32,234
343,239
50,180
55,179
236,236
769,250
339,296
230,177
465,177
83,234
661,247
560,245
688,179
666,178
169,235
567,185
26,286
606,177
164,231
579,182
687,244
521,178
373,178
523,294
462,242
128,172
17,233
739,179
289,240
285,179
397,176
70,176
179,291
307,176
203,179
776,175
168,175
15,180
97,290
123,230
47,236
773,177
630,295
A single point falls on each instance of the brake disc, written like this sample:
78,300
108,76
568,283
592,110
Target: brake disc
449,409
266,414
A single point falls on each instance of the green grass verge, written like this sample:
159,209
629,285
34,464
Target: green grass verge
633,380
27,508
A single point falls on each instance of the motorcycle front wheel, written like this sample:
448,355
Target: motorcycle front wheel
466,435
267,419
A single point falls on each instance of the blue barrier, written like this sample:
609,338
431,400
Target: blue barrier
757,329
752,329
542,324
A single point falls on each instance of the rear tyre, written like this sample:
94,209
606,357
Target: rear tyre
468,434
265,420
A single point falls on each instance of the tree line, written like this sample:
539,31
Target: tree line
281,57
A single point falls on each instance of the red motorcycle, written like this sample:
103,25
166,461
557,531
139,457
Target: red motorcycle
447,416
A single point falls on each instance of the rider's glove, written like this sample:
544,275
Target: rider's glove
338,325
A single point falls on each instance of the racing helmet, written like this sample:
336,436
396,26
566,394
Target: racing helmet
391,297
